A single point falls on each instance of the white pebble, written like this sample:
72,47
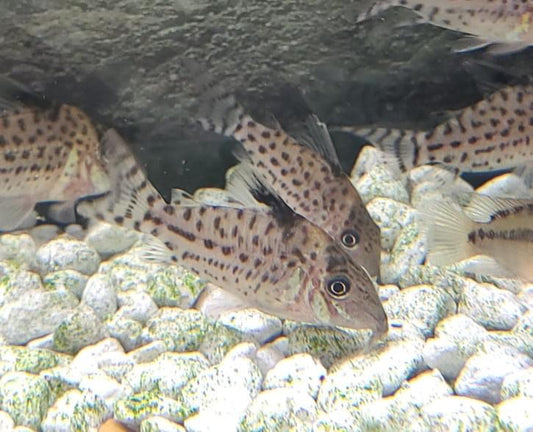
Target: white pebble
100,295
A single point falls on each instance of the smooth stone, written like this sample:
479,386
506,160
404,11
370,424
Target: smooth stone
335,421
67,254
391,216
491,307
100,295
220,340
105,355
74,411
516,414
148,352
24,319
80,329
280,409
18,283
6,422
422,389
127,331
423,306
19,248
300,372
42,234
136,305
270,354
68,280
104,388
109,239
168,373
160,424
483,373
388,415
460,414
519,383
253,323
25,397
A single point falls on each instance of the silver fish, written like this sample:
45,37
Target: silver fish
508,23
493,134
47,154
273,259
501,228
305,173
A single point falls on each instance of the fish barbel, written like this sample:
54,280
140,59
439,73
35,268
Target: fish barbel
493,134
508,23
306,174
501,228
47,154
272,259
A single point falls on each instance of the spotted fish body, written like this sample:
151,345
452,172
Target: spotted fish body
500,228
308,178
47,155
505,22
282,265
493,134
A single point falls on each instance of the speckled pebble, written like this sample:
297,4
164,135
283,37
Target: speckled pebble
80,329
491,307
23,319
109,239
388,415
107,389
148,352
391,216
64,254
19,248
483,373
378,182
68,280
23,359
300,372
6,422
16,283
25,397
100,295
459,414
160,424
127,331
136,305
519,383
174,286
75,410
94,358
516,414
256,324
280,409
335,421
423,306
168,373
422,389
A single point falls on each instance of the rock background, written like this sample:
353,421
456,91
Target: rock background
121,61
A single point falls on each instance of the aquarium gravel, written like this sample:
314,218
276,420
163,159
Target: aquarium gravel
89,331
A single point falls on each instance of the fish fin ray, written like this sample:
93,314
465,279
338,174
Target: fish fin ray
500,49
484,264
154,250
14,211
130,188
447,229
242,183
482,208
469,43
182,198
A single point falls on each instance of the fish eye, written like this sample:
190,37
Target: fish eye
350,238
338,287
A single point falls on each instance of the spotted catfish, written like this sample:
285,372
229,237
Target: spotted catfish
272,259
305,173
493,134
48,153
501,228
506,23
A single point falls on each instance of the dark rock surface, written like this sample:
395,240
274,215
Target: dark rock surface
121,61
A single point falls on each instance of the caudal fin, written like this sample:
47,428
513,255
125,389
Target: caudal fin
447,229
397,142
131,196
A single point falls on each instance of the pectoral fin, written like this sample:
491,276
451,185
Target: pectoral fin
14,211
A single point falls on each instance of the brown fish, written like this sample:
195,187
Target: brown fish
306,174
273,259
498,227
493,134
507,23
47,154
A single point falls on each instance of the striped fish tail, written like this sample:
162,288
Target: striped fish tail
400,143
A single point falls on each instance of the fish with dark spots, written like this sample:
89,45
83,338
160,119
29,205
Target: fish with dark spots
279,162
506,25
501,228
486,136
48,154
330,289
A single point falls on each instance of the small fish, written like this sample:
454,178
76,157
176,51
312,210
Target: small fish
507,23
48,153
305,173
272,259
501,228
493,134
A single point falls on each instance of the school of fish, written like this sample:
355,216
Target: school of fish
506,23
271,258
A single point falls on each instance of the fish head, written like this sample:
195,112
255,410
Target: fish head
355,230
341,293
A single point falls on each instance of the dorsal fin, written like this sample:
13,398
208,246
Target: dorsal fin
483,208
182,198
